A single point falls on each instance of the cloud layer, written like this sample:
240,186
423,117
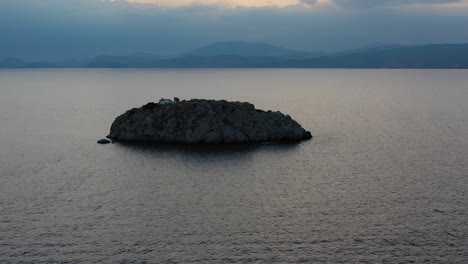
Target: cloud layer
64,29
372,3
282,3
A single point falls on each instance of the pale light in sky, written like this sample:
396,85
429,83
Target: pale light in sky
231,3
277,3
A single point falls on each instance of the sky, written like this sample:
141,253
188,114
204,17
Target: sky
77,29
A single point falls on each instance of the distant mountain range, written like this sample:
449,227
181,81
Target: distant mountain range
246,49
237,54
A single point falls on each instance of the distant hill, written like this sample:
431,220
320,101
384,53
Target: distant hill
113,61
258,55
148,56
11,63
248,49
222,61
222,54
376,46
18,63
422,56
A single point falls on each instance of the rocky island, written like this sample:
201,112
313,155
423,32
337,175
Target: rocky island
204,121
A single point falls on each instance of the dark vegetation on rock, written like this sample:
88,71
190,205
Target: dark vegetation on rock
204,121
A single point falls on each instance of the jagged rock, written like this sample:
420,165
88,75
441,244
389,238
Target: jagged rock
103,141
204,121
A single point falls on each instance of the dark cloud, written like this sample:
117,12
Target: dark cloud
59,29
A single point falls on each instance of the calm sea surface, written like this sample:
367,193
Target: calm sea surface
385,178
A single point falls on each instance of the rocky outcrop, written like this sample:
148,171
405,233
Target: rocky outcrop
204,121
103,141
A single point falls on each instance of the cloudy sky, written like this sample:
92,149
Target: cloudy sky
74,29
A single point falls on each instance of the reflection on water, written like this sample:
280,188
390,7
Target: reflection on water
206,153
383,181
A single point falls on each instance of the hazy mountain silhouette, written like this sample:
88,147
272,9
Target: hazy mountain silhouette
148,56
114,61
257,55
421,56
248,49
375,46
11,63
220,54
19,63
221,61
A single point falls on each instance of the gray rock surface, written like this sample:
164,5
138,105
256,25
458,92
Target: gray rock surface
103,141
205,121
